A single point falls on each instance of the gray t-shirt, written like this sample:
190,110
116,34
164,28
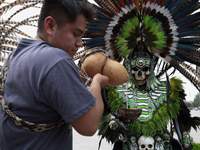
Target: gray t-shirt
42,85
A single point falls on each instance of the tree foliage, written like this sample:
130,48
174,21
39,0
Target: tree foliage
188,104
196,102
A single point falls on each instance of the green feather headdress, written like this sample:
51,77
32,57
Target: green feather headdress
170,30
155,37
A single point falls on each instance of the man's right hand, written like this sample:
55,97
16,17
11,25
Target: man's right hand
101,79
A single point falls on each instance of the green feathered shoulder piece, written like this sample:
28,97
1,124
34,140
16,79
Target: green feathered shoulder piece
196,146
158,123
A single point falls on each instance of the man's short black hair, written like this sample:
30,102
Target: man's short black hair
65,11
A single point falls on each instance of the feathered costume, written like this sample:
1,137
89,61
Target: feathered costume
171,30
167,31
156,34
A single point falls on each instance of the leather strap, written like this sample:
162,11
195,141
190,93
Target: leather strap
104,63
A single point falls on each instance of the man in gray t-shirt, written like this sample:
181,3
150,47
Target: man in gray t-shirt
43,84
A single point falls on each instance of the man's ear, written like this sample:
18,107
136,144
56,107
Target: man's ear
50,25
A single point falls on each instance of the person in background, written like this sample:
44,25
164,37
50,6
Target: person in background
43,85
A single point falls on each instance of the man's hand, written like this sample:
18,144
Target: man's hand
101,79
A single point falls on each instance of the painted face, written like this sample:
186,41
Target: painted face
140,69
69,37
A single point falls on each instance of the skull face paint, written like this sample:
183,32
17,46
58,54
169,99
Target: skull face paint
138,65
140,69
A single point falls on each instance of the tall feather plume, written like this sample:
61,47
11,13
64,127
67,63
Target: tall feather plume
12,29
171,29
11,5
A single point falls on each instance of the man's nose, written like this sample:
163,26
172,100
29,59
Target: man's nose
79,43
